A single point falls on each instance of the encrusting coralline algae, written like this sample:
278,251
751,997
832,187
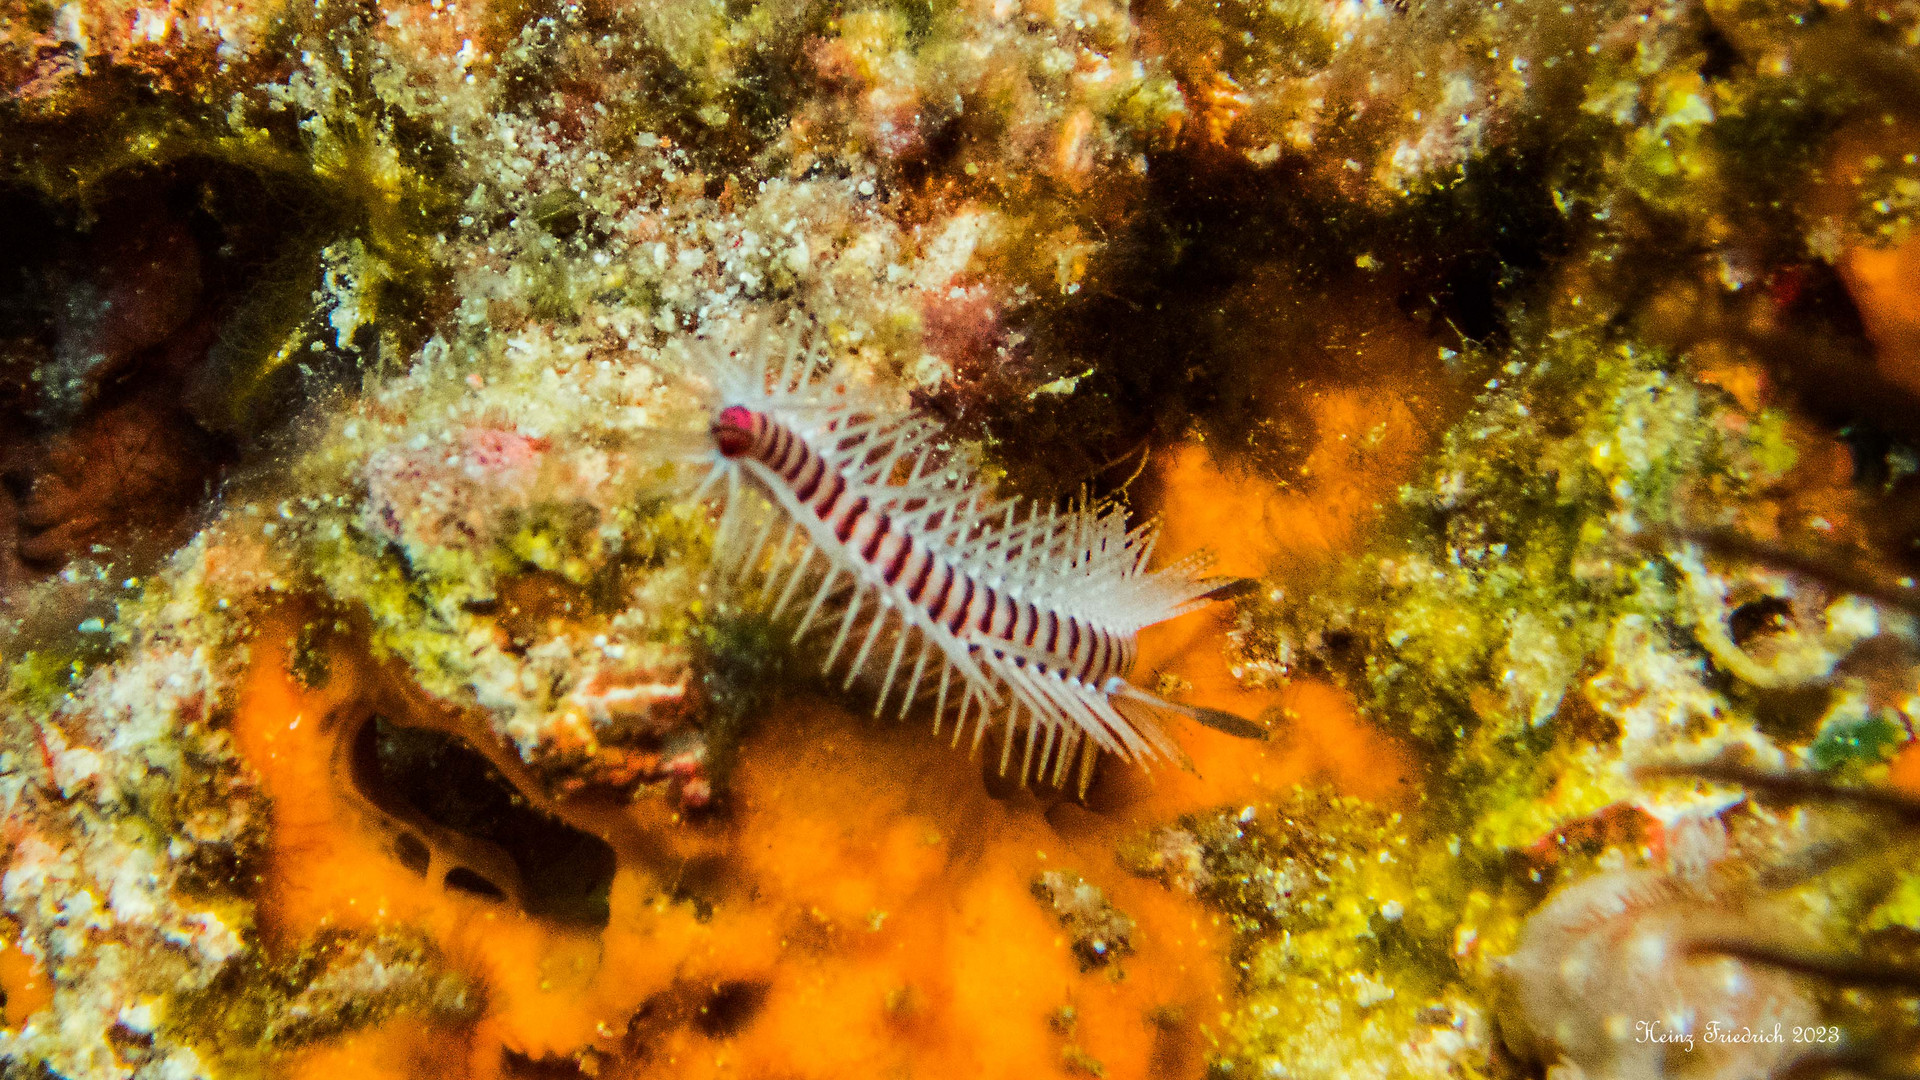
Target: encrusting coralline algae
369,706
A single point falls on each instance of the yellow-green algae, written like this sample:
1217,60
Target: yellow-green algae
1510,569
1347,936
1523,627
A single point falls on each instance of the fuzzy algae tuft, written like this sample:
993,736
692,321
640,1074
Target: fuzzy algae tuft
1343,945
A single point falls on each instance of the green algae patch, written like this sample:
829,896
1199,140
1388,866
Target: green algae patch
337,982
1857,741
1351,938
1505,571
39,680
1524,620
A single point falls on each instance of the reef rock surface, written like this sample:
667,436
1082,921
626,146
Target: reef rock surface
1547,372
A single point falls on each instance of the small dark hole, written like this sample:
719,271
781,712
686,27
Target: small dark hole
1722,58
413,854
521,1067
1767,615
132,1046
1001,787
703,880
566,874
461,879
1792,712
730,1009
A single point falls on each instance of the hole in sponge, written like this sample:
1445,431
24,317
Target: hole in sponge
413,853
730,1009
1758,618
565,874
461,879
517,1066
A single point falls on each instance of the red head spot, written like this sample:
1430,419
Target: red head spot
733,430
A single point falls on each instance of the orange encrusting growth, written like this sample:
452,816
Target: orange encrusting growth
1370,442
405,1046
865,893
870,884
548,989
1882,281
25,984
1880,271
913,944
1904,774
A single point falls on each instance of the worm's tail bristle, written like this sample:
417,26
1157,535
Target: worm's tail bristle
1230,589
1049,754
1217,719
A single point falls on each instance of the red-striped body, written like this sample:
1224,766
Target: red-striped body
972,609
1001,618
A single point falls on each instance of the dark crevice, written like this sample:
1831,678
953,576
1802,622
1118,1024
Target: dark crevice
1755,618
714,1010
413,853
730,1009
1234,297
461,879
136,333
425,775
1722,59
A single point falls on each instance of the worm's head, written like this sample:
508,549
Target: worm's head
733,430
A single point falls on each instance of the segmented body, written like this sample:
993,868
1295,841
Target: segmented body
935,591
975,610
